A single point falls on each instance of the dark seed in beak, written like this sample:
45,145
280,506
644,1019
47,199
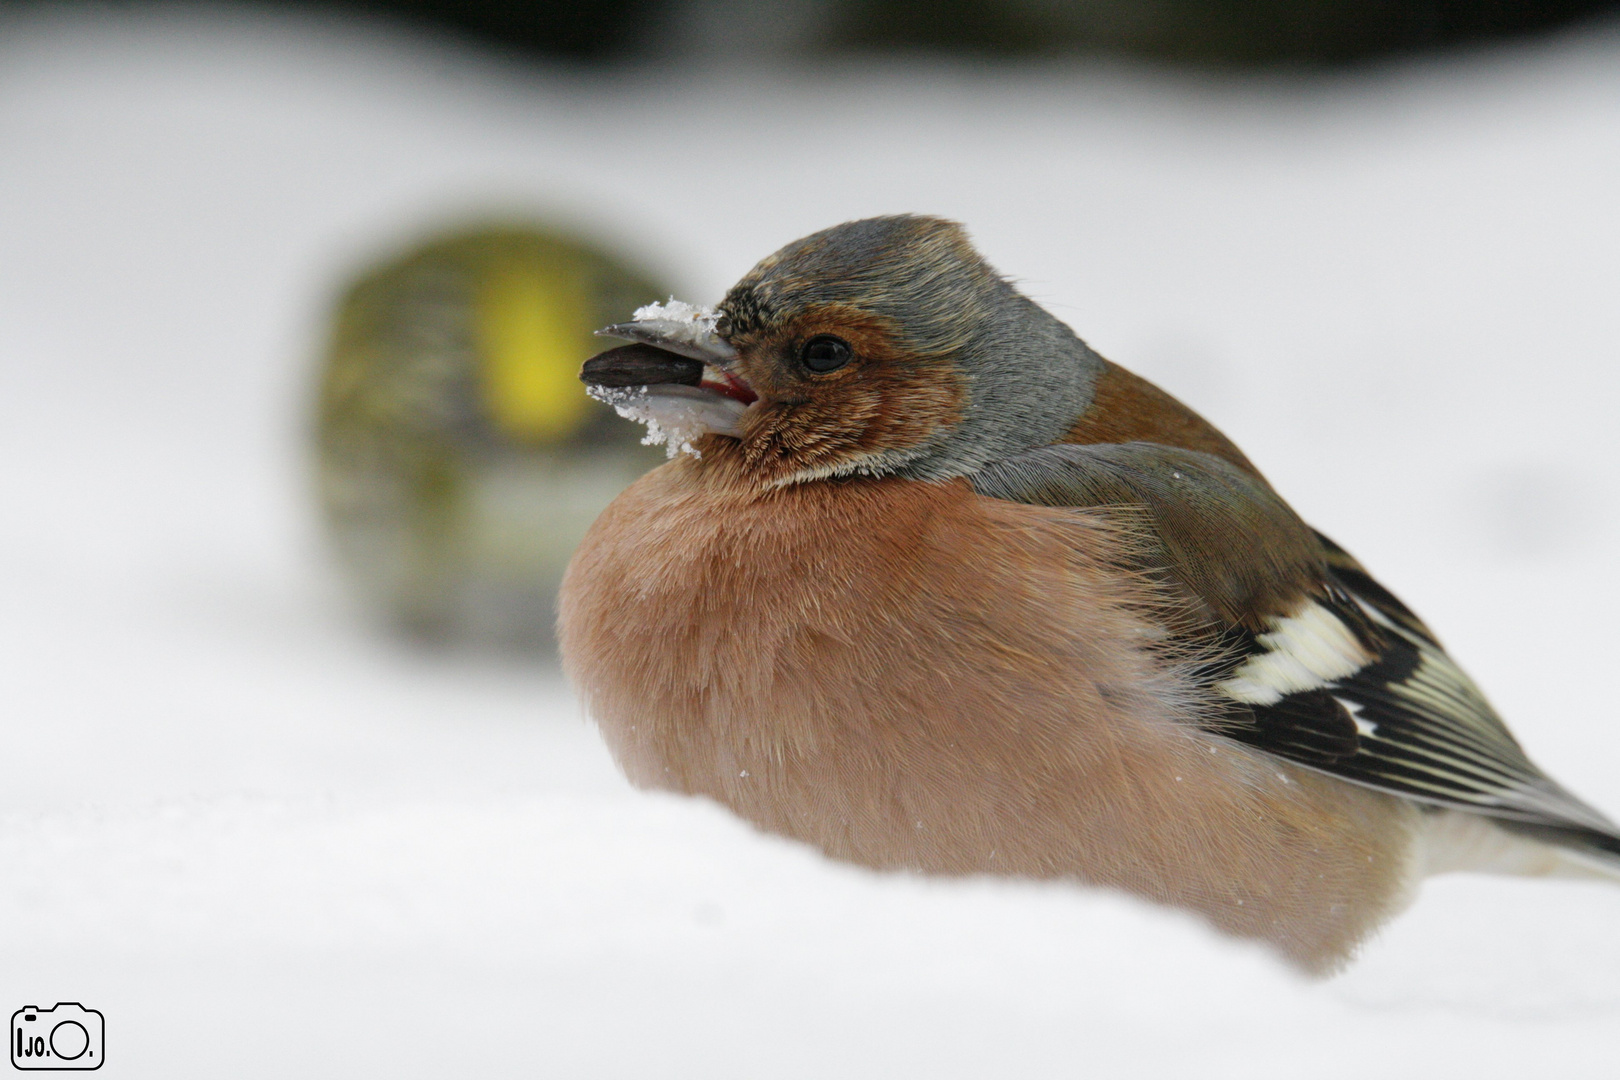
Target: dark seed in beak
640,365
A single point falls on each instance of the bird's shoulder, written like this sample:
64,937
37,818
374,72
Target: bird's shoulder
1128,408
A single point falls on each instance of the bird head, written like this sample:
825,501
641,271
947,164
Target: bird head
886,346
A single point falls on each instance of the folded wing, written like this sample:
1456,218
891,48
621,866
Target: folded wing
1309,658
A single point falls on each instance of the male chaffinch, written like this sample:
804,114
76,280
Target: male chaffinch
939,588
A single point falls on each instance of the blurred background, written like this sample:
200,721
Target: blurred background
291,455
1218,33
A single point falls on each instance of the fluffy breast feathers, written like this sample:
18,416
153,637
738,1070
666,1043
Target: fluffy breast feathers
911,675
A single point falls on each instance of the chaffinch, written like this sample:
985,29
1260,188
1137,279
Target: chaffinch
939,588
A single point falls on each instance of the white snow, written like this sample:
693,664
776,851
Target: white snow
675,415
679,311
266,842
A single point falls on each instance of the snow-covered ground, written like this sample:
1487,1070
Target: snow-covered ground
266,842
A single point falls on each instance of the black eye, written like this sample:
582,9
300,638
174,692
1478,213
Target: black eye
824,353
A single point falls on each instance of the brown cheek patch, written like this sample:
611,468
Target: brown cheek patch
886,401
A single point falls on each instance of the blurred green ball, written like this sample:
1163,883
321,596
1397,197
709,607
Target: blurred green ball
460,460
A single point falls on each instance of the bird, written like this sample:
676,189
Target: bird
931,586
456,462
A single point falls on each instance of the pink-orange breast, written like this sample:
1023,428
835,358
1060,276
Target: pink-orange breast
908,675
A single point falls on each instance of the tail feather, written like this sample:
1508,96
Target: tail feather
1597,850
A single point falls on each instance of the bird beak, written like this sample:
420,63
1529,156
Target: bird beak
640,365
693,338
676,378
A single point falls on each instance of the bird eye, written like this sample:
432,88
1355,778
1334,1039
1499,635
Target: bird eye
824,353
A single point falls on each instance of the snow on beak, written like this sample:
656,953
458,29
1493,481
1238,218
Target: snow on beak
676,378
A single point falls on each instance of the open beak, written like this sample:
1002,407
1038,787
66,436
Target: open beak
676,378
